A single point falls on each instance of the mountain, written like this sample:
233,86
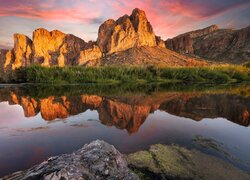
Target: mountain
226,45
127,40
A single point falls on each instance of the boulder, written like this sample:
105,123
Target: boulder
97,160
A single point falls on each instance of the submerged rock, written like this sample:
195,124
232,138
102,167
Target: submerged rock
97,160
174,162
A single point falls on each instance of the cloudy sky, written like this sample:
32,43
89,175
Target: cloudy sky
83,17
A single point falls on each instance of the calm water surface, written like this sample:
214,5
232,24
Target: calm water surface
37,122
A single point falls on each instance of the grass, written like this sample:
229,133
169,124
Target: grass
138,74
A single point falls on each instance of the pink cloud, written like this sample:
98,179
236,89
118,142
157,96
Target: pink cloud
49,11
168,17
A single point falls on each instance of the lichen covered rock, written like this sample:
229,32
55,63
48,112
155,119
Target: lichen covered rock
175,162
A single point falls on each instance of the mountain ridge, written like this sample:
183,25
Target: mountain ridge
119,39
213,43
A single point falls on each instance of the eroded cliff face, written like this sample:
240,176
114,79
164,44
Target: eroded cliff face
126,32
56,48
232,46
22,51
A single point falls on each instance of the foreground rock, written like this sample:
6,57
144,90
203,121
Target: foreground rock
174,162
97,160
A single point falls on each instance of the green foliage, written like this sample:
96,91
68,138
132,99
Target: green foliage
115,74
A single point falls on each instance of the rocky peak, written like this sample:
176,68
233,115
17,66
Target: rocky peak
140,21
126,32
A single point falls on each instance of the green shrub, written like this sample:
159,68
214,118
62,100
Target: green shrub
111,74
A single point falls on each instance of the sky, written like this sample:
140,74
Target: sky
83,17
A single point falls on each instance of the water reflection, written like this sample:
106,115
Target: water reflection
129,111
41,121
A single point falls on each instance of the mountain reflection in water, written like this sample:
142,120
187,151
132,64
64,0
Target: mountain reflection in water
37,121
130,111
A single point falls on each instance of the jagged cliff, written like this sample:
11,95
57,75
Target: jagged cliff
232,46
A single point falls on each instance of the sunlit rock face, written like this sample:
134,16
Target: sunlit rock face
56,48
22,51
227,45
126,32
19,56
8,60
145,32
46,46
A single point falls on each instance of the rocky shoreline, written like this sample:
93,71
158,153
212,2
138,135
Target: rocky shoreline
100,160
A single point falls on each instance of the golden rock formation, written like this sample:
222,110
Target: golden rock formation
125,33
22,51
46,46
8,61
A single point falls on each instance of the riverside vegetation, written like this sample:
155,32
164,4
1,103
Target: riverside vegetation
114,74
